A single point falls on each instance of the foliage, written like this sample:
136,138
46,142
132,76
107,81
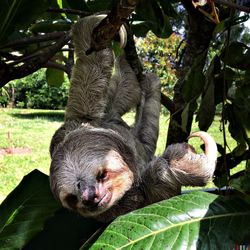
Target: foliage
18,209
33,91
160,56
218,78
197,219
4,97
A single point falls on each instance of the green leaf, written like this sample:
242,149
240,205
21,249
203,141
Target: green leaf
140,28
18,14
54,77
187,114
25,209
221,180
242,183
150,12
99,5
196,220
184,117
65,231
168,8
194,80
237,55
235,126
206,112
229,22
247,77
76,4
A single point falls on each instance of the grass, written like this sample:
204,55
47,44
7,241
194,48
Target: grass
34,128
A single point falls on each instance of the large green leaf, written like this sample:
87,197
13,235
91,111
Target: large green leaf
19,14
237,55
65,231
242,183
229,22
194,80
54,77
206,112
153,19
196,220
168,8
23,212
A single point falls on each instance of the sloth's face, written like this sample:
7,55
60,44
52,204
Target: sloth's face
91,187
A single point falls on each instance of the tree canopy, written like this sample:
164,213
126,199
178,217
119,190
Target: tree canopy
208,75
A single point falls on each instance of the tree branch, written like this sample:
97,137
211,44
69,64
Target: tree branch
233,5
167,103
55,65
8,73
231,160
34,39
69,11
109,26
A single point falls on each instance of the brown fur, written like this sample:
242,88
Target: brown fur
101,167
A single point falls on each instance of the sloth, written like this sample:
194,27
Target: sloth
101,167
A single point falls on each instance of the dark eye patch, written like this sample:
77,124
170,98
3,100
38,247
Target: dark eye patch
102,176
71,200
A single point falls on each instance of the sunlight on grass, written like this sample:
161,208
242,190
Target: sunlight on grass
26,129
34,128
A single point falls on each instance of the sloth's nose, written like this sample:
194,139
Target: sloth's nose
89,197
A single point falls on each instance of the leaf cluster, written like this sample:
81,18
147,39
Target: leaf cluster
195,221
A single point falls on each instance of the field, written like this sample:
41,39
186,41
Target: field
33,129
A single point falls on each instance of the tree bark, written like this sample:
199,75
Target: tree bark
199,36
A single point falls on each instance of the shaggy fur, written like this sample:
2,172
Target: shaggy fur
101,167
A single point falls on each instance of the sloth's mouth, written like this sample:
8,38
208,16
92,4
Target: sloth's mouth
102,203
105,199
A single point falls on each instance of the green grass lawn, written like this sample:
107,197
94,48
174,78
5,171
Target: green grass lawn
34,128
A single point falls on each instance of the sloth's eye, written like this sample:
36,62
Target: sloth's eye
102,176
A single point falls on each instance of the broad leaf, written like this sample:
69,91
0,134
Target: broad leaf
54,77
242,183
168,8
65,231
237,55
206,112
99,5
235,127
23,212
184,117
196,220
187,115
76,4
154,19
19,14
194,80
229,22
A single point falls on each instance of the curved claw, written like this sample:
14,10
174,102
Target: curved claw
123,36
210,145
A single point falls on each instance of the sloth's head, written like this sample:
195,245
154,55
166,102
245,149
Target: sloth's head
91,170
